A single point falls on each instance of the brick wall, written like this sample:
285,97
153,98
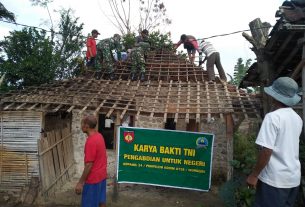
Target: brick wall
222,152
147,122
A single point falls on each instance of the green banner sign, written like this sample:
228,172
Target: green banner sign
168,158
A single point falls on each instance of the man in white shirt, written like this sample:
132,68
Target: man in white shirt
213,58
277,173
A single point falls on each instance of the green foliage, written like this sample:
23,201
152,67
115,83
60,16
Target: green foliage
240,70
31,57
28,59
235,192
42,3
129,40
68,44
5,14
157,41
160,41
182,55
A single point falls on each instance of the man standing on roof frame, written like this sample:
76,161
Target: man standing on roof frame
91,49
213,58
190,43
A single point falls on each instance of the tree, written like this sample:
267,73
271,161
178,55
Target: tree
28,58
240,70
31,57
44,3
152,15
68,44
5,14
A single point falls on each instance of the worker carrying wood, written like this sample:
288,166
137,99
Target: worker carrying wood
190,44
213,58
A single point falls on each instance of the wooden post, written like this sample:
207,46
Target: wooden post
26,168
259,31
115,193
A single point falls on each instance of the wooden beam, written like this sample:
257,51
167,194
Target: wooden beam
167,101
70,109
97,95
108,95
178,102
283,46
8,106
253,107
142,101
242,104
58,107
208,101
287,60
117,101
198,103
45,106
156,99
218,100
131,100
33,106
298,69
187,116
20,106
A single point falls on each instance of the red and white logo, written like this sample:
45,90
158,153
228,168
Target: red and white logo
128,136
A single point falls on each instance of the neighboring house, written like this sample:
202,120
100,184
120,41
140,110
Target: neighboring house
282,54
175,95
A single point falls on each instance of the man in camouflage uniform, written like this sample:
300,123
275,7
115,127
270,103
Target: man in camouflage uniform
138,55
105,56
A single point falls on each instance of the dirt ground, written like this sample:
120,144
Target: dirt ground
132,195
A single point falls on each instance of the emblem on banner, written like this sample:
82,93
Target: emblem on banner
202,142
128,136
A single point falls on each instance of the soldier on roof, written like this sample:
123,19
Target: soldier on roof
139,54
105,55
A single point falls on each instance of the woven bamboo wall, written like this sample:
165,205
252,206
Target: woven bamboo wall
19,132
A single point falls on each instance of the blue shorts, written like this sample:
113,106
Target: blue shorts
269,196
94,194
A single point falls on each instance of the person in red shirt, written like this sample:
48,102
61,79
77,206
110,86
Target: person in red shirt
91,49
92,183
190,43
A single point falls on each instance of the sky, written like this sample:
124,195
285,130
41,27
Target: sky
200,18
